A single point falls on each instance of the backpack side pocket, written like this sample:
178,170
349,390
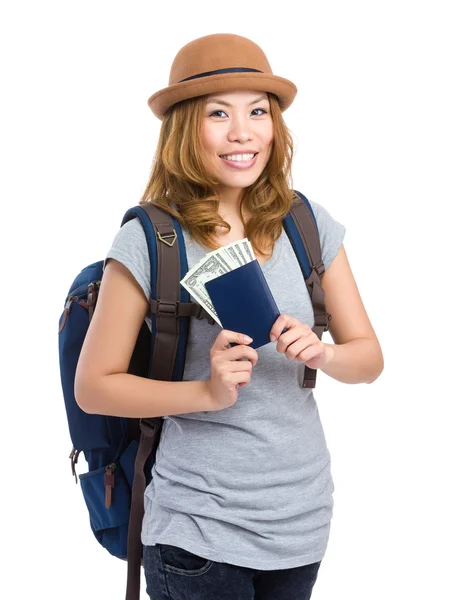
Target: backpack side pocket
107,493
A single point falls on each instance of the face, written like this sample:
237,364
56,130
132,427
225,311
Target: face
236,124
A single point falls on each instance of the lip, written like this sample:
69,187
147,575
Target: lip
234,164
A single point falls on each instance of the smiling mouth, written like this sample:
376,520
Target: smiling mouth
224,156
239,165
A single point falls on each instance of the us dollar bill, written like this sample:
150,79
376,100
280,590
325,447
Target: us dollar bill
223,257
239,249
194,281
230,257
225,261
212,265
248,249
234,254
241,252
203,301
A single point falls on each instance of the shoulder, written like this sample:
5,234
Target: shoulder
130,241
129,247
130,231
324,216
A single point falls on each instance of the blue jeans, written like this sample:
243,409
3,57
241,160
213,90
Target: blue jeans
172,573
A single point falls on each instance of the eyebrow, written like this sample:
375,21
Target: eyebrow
218,101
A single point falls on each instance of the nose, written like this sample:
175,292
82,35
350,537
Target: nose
240,129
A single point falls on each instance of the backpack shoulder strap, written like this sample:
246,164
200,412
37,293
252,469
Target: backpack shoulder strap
167,259
301,227
170,309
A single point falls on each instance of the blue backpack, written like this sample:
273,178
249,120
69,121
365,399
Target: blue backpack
120,452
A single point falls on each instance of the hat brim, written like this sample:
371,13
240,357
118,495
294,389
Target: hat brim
284,89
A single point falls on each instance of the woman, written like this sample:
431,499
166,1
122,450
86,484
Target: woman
240,502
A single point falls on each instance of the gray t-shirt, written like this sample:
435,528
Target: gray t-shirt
251,484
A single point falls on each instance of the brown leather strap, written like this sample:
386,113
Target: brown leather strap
168,293
307,229
150,430
181,309
166,337
166,307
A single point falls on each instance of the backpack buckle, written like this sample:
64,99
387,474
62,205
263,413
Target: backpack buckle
322,320
319,268
167,309
162,238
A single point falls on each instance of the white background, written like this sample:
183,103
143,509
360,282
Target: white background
371,127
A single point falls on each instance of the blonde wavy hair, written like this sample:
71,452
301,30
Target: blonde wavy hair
181,184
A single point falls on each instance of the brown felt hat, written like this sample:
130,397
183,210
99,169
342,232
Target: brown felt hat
220,62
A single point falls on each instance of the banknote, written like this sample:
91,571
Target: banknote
212,265
203,300
223,257
238,248
248,249
241,251
234,255
224,260
194,281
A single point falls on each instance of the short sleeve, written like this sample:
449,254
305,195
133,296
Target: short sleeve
331,233
130,248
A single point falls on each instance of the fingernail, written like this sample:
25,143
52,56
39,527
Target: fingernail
272,337
247,339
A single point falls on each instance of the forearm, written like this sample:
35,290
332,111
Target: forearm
357,361
125,395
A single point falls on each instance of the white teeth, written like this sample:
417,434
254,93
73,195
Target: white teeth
239,157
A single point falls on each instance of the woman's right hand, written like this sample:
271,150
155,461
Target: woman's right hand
228,372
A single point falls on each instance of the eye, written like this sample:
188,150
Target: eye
215,113
221,111
262,109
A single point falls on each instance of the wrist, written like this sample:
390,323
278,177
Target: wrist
207,396
329,354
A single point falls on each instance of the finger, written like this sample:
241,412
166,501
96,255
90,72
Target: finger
238,366
227,337
308,346
299,331
240,378
309,353
289,337
283,322
298,348
239,352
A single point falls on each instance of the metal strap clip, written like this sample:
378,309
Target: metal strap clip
162,238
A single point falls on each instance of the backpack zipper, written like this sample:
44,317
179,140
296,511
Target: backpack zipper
67,307
109,480
91,300
82,289
91,295
73,461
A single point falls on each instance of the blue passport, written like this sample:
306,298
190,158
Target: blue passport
244,302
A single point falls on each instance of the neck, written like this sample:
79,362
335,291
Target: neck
230,202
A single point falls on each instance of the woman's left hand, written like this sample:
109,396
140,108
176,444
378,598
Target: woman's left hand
299,342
